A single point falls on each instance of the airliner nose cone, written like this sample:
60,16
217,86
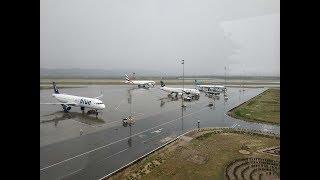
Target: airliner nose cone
103,106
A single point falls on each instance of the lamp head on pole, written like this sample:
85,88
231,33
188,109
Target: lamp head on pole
182,62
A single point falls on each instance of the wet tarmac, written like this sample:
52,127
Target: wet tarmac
80,146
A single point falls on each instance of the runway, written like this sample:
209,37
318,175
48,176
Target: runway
105,144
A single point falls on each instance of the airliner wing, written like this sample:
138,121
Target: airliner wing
60,103
147,83
185,91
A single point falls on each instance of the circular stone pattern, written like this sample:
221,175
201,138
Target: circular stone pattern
253,168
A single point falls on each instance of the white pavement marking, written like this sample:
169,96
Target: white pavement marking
119,104
152,137
88,152
157,131
103,158
83,123
70,173
116,153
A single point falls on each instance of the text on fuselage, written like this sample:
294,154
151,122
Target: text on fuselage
84,101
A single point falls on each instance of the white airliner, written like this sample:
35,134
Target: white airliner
140,83
178,91
209,87
66,101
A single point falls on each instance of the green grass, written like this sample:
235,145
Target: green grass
219,149
263,108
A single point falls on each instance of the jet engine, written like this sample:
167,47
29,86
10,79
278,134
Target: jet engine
66,108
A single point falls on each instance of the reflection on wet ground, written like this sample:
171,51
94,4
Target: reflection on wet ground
80,146
80,117
169,99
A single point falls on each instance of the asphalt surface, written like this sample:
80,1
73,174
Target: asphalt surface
81,146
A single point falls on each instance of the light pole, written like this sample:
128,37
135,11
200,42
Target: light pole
182,62
225,75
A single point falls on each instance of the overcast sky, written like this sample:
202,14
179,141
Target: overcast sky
155,34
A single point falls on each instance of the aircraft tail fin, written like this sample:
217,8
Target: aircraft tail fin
56,91
162,84
196,82
127,77
99,97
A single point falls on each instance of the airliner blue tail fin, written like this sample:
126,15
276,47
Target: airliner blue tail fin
162,83
56,91
196,82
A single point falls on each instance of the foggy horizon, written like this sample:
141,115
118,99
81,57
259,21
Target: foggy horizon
80,72
155,35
